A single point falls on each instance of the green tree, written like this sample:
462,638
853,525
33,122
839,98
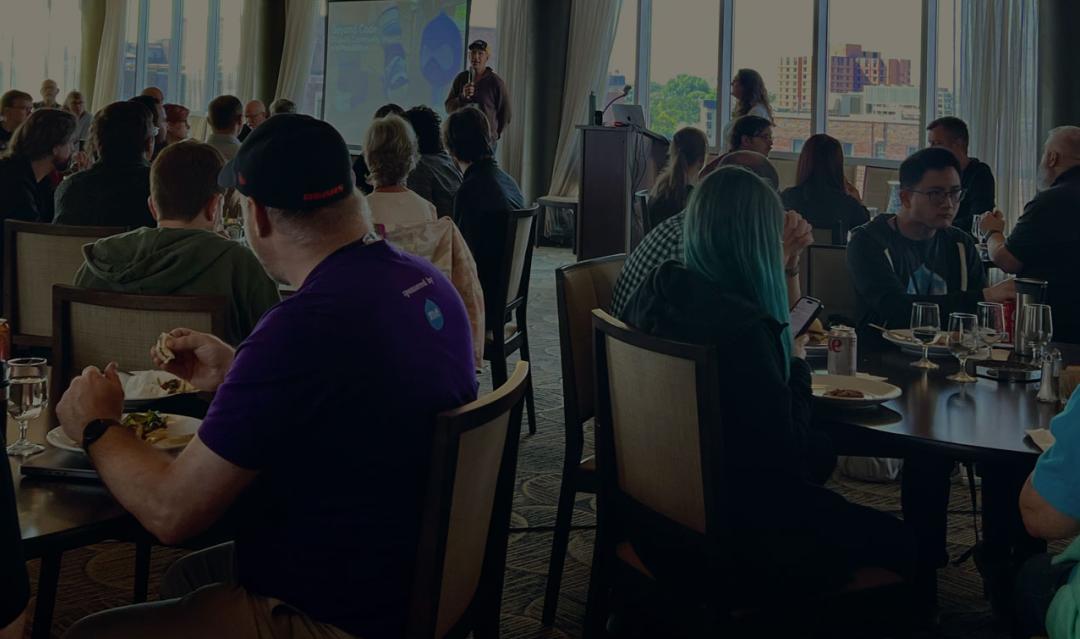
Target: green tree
677,102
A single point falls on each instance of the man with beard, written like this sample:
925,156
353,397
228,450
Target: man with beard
46,141
1045,241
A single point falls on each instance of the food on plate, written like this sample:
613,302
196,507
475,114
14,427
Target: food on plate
817,333
845,393
175,386
164,352
149,426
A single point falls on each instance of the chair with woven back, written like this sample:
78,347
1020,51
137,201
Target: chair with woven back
875,191
36,256
829,280
461,557
512,295
579,288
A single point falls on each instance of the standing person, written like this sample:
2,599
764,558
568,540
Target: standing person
686,157
15,107
481,86
76,105
157,111
177,128
254,115
49,91
821,193
436,177
751,98
225,115
391,154
975,176
114,191
1045,243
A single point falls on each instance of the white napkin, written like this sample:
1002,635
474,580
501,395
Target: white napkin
1042,437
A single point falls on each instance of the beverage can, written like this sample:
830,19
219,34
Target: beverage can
843,351
5,340
1010,321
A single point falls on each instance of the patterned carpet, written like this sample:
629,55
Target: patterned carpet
100,576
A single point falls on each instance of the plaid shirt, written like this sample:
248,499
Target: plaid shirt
663,243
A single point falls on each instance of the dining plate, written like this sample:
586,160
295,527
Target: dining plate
181,428
902,338
873,391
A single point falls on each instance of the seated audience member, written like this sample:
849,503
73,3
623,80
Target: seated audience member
917,256
282,105
436,177
822,194
225,115
183,255
254,115
14,582
731,293
157,110
391,154
666,241
686,157
486,195
15,107
397,361
1047,588
975,176
177,128
1045,243
49,91
155,93
360,167
748,133
43,144
76,105
114,191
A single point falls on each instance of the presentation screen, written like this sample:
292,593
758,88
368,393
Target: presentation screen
378,51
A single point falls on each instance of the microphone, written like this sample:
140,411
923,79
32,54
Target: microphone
625,92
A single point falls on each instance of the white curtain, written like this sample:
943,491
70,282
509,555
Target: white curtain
246,85
592,34
512,34
110,56
301,20
998,94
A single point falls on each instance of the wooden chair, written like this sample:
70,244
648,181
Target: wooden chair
876,187
95,327
828,279
503,339
36,256
579,288
461,557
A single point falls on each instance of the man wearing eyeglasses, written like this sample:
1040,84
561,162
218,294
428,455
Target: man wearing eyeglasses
15,107
918,255
1045,243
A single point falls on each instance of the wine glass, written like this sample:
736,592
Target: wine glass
27,395
1038,328
964,340
991,323
925,326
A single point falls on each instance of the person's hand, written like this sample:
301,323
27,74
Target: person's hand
81,160
200,358
92,395
798,346
1001,292
992,222
468,91
797,235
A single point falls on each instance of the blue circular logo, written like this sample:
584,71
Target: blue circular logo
434,315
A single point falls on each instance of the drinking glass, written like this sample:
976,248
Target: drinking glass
991,323
1038,328
925,326
27,395
964,340
975,220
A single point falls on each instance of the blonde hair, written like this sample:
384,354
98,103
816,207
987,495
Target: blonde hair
390,150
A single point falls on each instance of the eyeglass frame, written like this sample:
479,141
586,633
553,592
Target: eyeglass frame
938,197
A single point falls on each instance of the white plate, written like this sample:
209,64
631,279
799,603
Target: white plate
902,338
180,427
146,385
874,391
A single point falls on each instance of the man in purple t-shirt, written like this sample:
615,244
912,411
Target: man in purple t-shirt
319,435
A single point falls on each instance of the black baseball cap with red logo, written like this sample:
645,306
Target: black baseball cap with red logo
292,162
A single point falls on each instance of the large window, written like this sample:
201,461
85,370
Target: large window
311,103
622,65
945,98
683,66
782,51
40,40
194,83
483,16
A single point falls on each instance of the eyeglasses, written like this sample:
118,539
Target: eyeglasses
938,196
765,136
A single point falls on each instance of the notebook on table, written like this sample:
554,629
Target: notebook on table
58,463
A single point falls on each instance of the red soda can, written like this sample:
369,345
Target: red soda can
1010,320
5,340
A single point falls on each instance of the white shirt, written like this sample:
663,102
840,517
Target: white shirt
400,209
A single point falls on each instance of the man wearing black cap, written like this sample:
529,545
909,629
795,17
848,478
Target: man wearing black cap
320,428
480,85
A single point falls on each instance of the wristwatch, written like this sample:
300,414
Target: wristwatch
95,429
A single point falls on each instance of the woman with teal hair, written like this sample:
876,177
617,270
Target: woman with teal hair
789,533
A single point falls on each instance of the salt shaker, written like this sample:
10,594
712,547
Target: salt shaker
1051,375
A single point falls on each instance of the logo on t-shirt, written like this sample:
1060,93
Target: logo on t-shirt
926,282
434,315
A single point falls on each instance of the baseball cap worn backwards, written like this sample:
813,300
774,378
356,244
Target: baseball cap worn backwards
293,162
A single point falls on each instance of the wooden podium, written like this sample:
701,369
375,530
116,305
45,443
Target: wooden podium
615,162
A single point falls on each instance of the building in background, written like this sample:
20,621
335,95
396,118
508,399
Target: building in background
946,103
793,90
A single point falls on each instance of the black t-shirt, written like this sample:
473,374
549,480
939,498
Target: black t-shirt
1046,239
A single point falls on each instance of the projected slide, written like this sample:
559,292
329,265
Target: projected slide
378,51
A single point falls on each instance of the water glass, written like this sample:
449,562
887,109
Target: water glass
925,327
27,396
1037,328
964,341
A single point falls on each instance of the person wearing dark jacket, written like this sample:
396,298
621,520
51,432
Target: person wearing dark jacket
822,195
115,190
686,157
436,177
486,195
917,256
482,87
975,176
13,579
792,535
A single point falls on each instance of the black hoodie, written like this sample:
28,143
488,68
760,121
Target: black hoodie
889,275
